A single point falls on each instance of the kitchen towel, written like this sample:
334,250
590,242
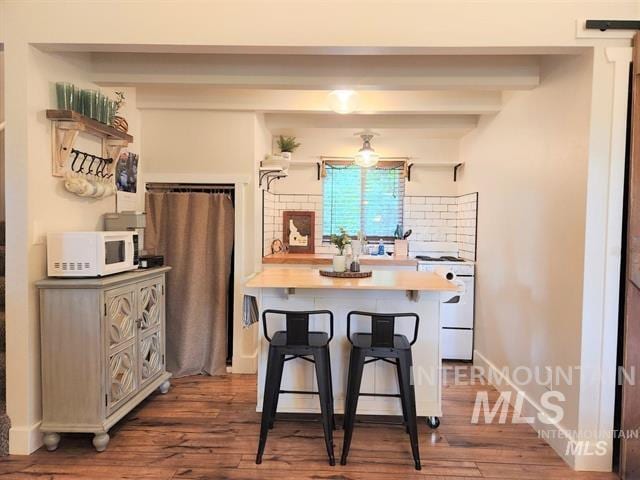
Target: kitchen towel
250,311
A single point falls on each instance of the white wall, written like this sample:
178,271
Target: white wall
39,198
2,117
529,165
217,147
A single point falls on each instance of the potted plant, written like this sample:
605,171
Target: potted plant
340,241
287,146
117,122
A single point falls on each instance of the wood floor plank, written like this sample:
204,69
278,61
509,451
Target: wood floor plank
207,428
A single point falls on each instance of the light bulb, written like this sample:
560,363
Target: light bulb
366,158
343,101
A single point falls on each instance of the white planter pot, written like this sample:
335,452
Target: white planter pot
339,263
286,156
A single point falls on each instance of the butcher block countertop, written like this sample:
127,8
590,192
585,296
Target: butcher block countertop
326,259
380,280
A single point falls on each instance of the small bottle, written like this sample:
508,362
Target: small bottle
355,263
380,247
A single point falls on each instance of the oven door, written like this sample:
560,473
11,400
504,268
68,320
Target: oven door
459,315
117,252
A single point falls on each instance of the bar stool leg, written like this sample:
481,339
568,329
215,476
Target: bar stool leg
333,415
274,361
277,382
356,367
409,401
322,376
402,396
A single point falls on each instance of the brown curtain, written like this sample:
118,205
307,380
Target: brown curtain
194,232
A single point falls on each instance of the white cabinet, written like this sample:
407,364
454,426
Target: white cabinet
102,350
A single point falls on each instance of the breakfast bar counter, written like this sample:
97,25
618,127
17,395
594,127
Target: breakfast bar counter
383,292
326,259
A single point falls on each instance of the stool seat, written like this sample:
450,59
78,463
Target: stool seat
313,339
365,340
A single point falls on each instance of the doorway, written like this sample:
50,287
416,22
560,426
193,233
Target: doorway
193,226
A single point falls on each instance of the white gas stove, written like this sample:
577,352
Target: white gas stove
456,319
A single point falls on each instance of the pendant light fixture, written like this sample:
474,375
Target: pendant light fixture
366,156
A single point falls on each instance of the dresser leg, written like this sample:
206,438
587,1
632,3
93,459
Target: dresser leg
164,387
51,440
100,441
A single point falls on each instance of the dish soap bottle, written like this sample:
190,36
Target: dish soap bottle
380,247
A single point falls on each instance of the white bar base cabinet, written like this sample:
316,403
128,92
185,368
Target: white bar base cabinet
102,350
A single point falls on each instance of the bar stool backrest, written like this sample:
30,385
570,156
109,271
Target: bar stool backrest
383,327
297,324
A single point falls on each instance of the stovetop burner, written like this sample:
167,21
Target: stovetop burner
444,258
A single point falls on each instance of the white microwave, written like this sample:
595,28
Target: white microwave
91,254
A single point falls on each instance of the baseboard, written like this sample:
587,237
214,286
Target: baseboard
245,364
25,440
560,439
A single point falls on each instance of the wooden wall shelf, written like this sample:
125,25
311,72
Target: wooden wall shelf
90,125
66,126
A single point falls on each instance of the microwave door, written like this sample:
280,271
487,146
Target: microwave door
118,254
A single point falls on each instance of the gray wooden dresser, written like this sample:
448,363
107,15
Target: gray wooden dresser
102,350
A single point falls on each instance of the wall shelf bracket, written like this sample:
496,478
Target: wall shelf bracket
64,135
111,148
268,176
455,171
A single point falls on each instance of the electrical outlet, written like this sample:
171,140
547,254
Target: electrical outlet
38,236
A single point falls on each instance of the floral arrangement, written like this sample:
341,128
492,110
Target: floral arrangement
341,241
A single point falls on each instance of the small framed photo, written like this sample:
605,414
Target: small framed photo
126,178
298,229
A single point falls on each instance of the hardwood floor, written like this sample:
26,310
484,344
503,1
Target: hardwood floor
207,428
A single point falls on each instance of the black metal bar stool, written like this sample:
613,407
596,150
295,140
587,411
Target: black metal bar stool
382,344
297,342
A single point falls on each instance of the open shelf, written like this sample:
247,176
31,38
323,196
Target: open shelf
455,165
90,125
67,124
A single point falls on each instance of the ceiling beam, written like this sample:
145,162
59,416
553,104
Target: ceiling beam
452,123
319,72
316,101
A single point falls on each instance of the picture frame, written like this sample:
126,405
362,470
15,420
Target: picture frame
126,181
298,228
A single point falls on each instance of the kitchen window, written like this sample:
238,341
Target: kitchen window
370,200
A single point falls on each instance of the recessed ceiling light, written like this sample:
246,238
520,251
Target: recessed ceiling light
343,101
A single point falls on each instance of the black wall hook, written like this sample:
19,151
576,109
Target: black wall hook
100,168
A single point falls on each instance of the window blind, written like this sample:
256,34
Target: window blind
370,200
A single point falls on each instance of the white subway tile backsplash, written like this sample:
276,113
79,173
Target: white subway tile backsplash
439,224
446,219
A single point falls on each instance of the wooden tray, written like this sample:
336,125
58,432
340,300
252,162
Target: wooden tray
331,273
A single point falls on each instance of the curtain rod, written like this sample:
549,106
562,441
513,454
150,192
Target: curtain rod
190,186
326,157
